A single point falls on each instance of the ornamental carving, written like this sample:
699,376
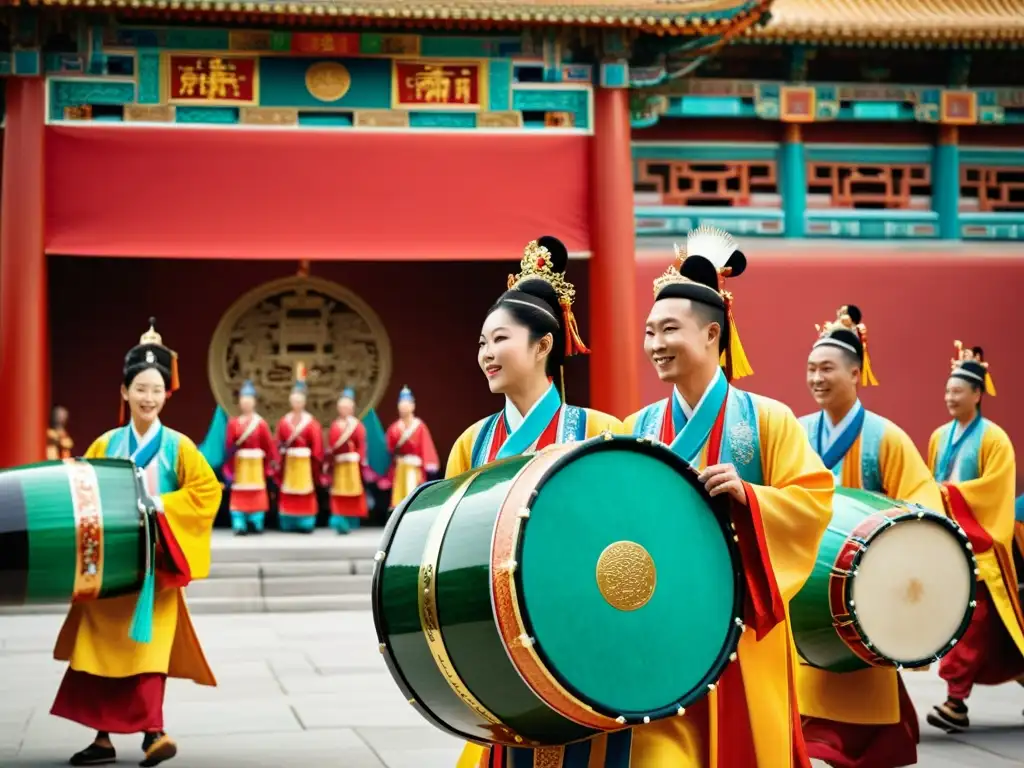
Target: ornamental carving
323,325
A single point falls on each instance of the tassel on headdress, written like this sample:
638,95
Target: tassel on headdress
969,364
848,332
709,258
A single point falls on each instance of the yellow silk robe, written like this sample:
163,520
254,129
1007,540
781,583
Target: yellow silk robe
870,696
795,508
990,497
461,460
95,636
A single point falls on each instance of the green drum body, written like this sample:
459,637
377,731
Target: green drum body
893,586
71,530
541,599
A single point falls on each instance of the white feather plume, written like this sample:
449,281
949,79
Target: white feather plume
714,244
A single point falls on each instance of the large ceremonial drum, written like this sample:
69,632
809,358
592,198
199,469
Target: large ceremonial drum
893,586
541,599
71,530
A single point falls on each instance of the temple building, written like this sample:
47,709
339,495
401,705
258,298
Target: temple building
349,186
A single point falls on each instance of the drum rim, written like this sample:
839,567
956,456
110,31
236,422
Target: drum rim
913,511
720,508
380,622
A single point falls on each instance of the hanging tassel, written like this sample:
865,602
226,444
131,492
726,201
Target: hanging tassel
142,621
867,375
739,365
175,382
573,342
121,414
990,386
561,378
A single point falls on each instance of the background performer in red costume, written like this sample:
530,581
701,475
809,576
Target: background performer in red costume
301,445
413,455
345,464
251,459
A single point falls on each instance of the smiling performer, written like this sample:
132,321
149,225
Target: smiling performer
974,460
115,684
754,450
526,337
301,439
862,719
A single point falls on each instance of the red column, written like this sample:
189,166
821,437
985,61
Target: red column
615,325
24,333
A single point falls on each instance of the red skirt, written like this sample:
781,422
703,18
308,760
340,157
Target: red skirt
112,704
349,506
852,745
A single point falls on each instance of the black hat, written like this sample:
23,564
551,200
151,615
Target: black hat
969,365
849,333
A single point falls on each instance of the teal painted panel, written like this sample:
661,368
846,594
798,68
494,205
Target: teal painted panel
576,101
876,110
212,115
442,120
460,47
283,83
992,226
499,84
861,153
70,93
754,222
148,63
872,224
27,63
711,106
709,152
1012,157
325,120
196,38
6,63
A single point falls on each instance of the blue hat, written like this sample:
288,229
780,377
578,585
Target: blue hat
300,379
406,394
247,390
348,393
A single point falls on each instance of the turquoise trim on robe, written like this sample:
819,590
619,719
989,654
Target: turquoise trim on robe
214,445
164,450
964,458
871,433
572,428
534,423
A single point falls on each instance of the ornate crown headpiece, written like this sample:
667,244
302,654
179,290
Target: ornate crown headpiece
164,357
848,318
970,362
536,264
151,336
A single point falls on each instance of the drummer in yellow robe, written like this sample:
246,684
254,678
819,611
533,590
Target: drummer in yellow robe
121,650
861,719
974,460
526,336
754,450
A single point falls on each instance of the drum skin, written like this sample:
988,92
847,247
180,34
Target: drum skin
504,597
825,627
70,530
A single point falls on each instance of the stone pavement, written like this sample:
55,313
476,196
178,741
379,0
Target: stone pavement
311,690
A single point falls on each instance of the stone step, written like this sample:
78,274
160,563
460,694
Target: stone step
357,601
306,586
227,588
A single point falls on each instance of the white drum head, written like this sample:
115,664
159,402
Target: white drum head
912,590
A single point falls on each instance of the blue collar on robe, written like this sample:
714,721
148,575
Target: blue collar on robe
150,447
692,434
952,447
533,425
842,442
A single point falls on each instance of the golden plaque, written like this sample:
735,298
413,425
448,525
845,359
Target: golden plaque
328,80
626,575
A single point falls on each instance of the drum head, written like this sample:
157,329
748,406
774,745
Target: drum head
628,580
913,589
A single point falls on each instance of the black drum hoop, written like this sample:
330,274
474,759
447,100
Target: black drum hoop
720,507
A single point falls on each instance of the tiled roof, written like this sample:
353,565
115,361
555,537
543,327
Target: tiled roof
666,15
925,21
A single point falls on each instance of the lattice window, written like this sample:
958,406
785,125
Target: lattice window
731,184
995,189
847,185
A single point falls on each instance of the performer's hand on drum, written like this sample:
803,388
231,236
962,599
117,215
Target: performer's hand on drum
722,478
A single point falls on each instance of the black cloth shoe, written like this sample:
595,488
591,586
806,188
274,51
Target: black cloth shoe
94,755
158,748
950,716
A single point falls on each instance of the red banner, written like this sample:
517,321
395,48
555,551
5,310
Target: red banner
338,43
437,84
211,80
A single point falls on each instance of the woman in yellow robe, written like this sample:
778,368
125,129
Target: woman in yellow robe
974,460
115,684
523,344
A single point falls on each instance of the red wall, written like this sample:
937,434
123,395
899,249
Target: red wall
914,303
432,312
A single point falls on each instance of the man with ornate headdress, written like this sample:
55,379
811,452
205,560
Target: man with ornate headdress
862,719
974,461
412,450
300,438
250,460
344,464
754,451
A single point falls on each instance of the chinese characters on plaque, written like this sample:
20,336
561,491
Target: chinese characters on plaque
212,80
437,84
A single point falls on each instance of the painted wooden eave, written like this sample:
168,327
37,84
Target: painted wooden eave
666,17
927,23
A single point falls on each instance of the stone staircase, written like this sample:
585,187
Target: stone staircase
277,572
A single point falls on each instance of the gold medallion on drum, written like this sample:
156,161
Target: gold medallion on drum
626,575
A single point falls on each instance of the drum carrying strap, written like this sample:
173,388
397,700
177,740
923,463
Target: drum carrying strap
617,754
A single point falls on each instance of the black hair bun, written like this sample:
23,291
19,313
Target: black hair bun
557,251
854,313
979,353
700,270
